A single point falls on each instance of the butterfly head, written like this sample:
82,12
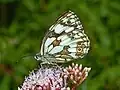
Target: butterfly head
37,57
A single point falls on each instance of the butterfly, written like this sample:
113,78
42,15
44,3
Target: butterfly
64,41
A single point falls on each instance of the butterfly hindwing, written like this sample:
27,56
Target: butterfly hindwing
66,39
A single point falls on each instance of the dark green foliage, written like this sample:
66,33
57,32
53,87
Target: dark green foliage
23,24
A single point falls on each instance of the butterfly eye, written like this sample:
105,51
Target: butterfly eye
37,57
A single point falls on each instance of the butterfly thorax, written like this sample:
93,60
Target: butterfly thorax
45,58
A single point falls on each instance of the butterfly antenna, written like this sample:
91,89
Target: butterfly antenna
25,56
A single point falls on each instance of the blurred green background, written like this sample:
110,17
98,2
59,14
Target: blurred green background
23,24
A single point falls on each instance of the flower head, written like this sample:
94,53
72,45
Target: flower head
55,78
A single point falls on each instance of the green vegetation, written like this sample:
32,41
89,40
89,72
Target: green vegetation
23,24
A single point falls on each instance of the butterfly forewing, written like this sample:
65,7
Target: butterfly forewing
65,39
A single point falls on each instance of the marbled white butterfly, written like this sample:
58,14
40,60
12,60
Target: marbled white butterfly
64,41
